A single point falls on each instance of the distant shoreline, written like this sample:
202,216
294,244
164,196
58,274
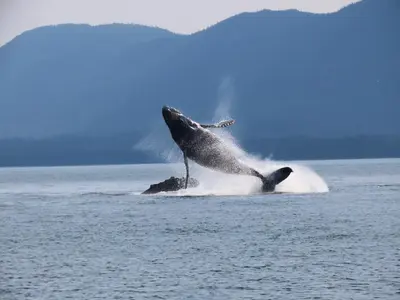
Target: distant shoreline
117,150
154,163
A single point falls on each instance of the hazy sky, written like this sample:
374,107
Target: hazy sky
182,16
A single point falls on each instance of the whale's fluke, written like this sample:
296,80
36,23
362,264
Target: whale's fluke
276,177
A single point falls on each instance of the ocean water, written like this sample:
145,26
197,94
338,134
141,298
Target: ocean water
87,233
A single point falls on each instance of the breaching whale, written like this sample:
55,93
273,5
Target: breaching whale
202,146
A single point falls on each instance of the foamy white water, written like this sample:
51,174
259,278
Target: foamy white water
303,179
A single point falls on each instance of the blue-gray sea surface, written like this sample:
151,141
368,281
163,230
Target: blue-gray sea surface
87,233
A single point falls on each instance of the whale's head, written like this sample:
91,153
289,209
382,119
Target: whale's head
171,115
180,126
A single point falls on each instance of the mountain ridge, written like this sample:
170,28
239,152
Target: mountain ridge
293,73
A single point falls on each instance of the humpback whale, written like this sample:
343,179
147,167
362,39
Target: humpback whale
202,146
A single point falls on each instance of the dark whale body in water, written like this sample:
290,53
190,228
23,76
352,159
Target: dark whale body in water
208,150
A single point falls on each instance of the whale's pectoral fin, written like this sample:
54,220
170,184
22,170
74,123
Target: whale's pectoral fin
221,124
276,177
187,169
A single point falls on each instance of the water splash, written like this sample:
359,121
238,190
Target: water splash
160,143
302,180
226,97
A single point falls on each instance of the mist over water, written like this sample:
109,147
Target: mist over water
302,180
